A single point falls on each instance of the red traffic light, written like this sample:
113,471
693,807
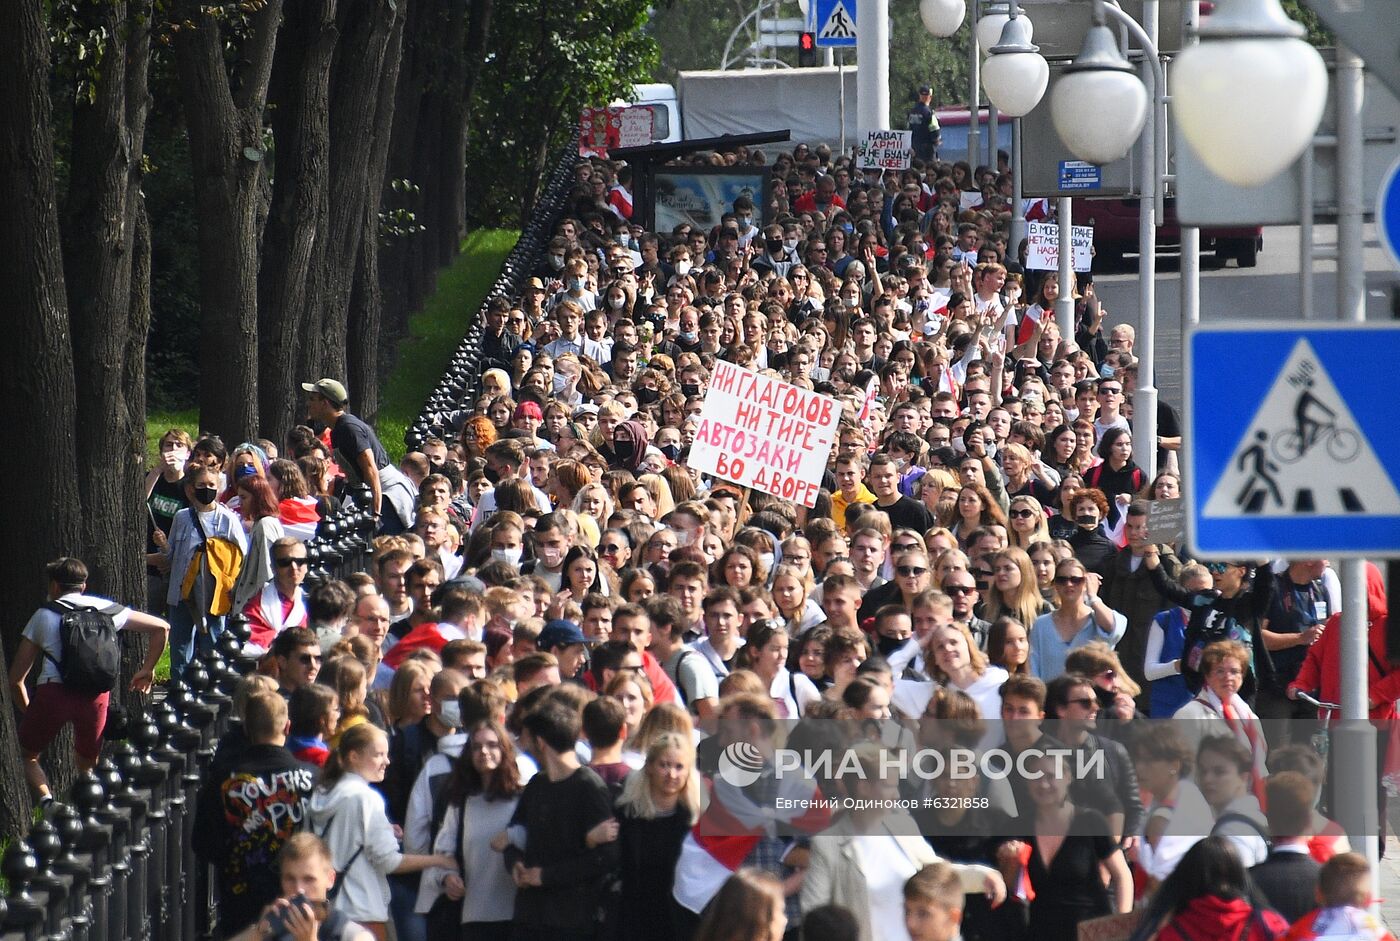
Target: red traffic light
807,42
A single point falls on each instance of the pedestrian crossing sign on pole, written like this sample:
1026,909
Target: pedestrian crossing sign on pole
1292,442
835,22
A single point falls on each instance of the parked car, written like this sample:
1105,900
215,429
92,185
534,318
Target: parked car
1115,223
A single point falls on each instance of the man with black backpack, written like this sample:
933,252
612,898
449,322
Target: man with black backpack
74,640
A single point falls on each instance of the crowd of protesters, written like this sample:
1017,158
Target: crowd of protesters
516,723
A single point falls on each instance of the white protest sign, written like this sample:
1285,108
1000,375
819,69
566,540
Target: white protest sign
765,434
886,150
635,129
1043,246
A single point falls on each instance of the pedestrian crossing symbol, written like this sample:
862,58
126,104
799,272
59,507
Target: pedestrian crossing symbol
1303,454
838,27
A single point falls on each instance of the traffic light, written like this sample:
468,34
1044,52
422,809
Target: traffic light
807,49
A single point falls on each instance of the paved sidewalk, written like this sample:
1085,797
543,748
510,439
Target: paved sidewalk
1390,885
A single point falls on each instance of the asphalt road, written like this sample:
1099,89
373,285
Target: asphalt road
1268,291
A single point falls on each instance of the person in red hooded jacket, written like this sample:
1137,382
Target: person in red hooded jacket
1321,670
1208,897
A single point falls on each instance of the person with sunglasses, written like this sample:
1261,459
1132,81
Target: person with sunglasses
282,602
296,653
1080,616
1072,704
961,588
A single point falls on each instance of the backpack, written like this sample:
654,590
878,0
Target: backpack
90,652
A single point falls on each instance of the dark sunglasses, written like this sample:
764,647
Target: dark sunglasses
1107,391
909,571
906,546
1069,580
1022,514
959,590
982,574
1085,703
609,549
287,562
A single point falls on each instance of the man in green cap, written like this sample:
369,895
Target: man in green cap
361,456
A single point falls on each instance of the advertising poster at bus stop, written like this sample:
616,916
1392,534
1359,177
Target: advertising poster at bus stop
765,434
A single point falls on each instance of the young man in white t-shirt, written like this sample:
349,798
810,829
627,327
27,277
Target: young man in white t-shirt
53,704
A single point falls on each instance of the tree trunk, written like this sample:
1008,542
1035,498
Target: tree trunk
366,26
452,158
99,228
224,116
41,512
295,231
367,298
395,258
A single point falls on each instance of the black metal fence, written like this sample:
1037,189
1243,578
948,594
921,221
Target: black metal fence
457,391
117,863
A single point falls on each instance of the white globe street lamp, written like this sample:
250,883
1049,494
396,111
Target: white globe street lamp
942,17
1099,106
1250,95
990,24
1015,73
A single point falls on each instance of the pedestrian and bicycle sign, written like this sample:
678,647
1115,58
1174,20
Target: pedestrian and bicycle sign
1291,439
835,22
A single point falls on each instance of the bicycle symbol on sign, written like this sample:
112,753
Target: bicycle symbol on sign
1314,424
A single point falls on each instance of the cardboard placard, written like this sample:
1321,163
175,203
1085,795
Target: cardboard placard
886,150
1166,521
764,433
1043,246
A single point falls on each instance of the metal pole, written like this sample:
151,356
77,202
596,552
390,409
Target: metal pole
1145,398
1305,233
1190,235
1018,201
872,66
974,78
1064,304
841,94
993,135
1355,797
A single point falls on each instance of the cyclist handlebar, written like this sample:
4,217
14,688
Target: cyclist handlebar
1316,702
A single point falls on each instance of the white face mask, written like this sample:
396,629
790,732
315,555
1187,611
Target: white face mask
790,244
511,556
624,239
682,267
617,302
450,714
765,561
556,260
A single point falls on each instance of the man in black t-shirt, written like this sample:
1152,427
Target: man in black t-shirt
361,456
165,496
904,513
924,124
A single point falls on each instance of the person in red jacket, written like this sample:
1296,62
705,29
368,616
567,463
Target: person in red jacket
1321,670
1208,897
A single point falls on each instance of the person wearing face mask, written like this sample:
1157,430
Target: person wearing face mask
551,268
205,551
629,446
743,218
778,256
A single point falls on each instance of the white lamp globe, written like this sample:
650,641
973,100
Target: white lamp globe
1249,96
990,24
1099,106
1015,74
942,17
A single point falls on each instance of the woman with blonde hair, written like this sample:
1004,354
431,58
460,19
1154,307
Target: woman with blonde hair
350,816
1027,523
792,595
496,383
661,719
351,690
634,692
659,804
955,661
660,492
1014,591
933,486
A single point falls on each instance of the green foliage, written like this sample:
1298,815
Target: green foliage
400,221
545,63
916,58
435,332
160,421
693,35
1318,34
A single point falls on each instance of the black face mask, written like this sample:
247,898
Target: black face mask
690,389
647,396
1087,520
206,494
625,450
888,645
672,451
774,246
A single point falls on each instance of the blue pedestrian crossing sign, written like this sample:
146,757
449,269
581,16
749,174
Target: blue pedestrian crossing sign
1292,440
835,22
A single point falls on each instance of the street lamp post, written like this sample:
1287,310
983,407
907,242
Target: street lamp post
1015,76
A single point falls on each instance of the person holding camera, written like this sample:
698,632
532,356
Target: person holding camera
303,913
